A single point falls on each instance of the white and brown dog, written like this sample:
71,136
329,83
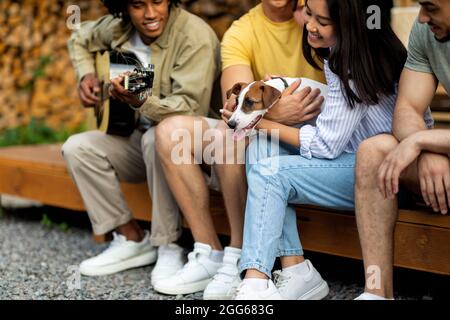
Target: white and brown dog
255,99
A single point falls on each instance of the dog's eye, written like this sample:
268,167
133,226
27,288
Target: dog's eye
248,103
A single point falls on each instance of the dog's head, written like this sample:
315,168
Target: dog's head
252,102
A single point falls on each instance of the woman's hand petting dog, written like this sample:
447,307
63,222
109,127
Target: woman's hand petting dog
294,108
117,91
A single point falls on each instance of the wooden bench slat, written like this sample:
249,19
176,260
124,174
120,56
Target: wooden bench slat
422,238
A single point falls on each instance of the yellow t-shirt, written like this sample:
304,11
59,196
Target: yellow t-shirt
267,47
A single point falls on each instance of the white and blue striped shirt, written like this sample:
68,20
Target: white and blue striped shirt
339,128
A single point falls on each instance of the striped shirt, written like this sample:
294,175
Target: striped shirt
339,128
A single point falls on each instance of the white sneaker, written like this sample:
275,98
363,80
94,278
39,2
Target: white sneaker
224,284
170,260
246,292
295,286
120,255
195,274
370,296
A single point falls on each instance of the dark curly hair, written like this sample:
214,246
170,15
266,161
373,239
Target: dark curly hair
118,8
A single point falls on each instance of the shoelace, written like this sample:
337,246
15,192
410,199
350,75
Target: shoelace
281,279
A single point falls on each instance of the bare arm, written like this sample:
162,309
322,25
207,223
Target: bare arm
233,75
436,141
416,91
287,134
430,147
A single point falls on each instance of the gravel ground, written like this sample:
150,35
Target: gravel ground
38,256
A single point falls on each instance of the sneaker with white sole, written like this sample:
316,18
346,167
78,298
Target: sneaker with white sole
371,296
246,292
171,259
195,274
296,286
119,256
224,284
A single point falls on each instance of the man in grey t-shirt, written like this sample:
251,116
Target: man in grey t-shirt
415,157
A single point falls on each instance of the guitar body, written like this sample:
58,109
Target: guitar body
114,117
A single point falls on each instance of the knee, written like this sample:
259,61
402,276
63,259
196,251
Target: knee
166,131
371,154
266,169
72,148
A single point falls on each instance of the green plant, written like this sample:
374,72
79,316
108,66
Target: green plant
63,226
39,72
36,132
45,221
48,223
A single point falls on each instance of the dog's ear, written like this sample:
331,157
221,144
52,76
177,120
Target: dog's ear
236,90
269,95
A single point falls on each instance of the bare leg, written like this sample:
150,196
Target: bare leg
131,230
376,216
186,181
233,183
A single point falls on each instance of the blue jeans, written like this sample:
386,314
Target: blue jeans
276,182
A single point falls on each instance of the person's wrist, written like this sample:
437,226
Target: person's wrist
418,142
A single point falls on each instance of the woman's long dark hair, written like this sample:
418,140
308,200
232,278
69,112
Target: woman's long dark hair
118,8
372,59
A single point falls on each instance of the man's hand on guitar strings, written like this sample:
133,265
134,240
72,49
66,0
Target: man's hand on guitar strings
88,89
117,91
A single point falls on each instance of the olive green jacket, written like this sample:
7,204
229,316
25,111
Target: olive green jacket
186,58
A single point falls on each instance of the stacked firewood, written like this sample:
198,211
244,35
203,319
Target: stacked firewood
37,78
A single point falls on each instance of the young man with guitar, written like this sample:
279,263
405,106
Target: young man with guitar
186,55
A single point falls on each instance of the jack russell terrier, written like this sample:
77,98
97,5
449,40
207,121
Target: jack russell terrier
255,99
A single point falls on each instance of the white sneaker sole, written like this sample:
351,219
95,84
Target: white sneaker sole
217,297
182,289
317,293
135,262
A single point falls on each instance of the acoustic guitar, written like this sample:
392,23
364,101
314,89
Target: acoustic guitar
113,116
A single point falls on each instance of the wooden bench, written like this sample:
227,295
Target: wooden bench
422,238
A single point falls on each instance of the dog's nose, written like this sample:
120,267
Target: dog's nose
232,124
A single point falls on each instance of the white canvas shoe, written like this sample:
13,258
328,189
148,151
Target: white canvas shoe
296,286
246,292
171,259
224,284
370,296
120,255
195,274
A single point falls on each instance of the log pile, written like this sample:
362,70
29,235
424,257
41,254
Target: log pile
37,78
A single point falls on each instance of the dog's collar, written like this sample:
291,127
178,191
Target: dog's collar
286,85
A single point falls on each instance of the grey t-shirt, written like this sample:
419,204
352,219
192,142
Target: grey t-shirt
426,54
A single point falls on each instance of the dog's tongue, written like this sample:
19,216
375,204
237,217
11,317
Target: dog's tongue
239,135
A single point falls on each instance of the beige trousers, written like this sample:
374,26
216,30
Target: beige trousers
98,162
